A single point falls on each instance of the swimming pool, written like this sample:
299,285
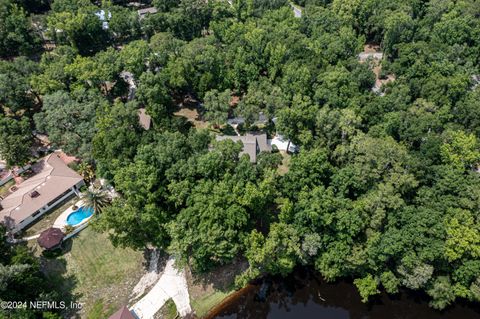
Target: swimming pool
79,215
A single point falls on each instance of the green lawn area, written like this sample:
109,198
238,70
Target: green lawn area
103,275
283,168
210,289
203,305
4,189
168,311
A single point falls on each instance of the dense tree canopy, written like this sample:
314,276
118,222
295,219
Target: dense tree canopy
384,190
16,34
22,280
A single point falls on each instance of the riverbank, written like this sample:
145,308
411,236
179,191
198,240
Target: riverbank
303,294
207,291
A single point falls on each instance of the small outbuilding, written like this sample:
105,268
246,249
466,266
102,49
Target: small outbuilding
51,238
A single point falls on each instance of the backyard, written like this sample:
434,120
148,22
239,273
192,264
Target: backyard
100,275
4,189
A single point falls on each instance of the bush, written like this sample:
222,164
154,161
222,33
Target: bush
69,229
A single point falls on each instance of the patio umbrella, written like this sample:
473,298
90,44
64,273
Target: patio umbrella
50,238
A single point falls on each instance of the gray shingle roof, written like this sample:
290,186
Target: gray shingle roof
253,144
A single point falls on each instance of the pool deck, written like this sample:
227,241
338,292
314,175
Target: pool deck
61,221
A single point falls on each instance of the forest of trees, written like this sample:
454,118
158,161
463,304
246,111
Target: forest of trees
384,191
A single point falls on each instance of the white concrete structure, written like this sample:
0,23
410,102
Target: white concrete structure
297,12
172,284
52,183
364,56
61,221
282,143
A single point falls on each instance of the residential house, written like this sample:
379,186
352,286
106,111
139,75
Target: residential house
144,119
52,183
253,144
142,13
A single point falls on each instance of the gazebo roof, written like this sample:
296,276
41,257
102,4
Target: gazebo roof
122,313
50,238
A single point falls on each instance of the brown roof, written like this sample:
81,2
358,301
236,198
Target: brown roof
252,144
50,238
122,313
52,178
144,119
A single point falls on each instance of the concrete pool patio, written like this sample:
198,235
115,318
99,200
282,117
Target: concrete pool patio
61,221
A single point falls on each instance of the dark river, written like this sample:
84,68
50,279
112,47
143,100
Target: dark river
303,295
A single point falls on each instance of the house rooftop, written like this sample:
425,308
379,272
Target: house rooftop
253,144
53,177
143,12
144,119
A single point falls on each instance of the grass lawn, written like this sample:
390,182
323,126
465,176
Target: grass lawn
103,275
283,168
168,311
208,290
191,114
204,304
4,189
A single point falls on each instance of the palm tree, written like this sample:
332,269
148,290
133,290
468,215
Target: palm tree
87,172
95,198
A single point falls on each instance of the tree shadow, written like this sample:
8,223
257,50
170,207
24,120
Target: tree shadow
221,278
54,267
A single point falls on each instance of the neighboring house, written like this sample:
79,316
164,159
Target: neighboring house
261,119
142,13
144,119
122,313
253,144
52,183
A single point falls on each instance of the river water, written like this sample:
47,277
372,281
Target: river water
303,295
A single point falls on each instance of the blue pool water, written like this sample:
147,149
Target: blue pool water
79,215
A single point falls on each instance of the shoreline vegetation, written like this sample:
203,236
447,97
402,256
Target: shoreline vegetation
225,302
305,293
209,290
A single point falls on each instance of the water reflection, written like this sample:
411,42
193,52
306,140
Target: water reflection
303,295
